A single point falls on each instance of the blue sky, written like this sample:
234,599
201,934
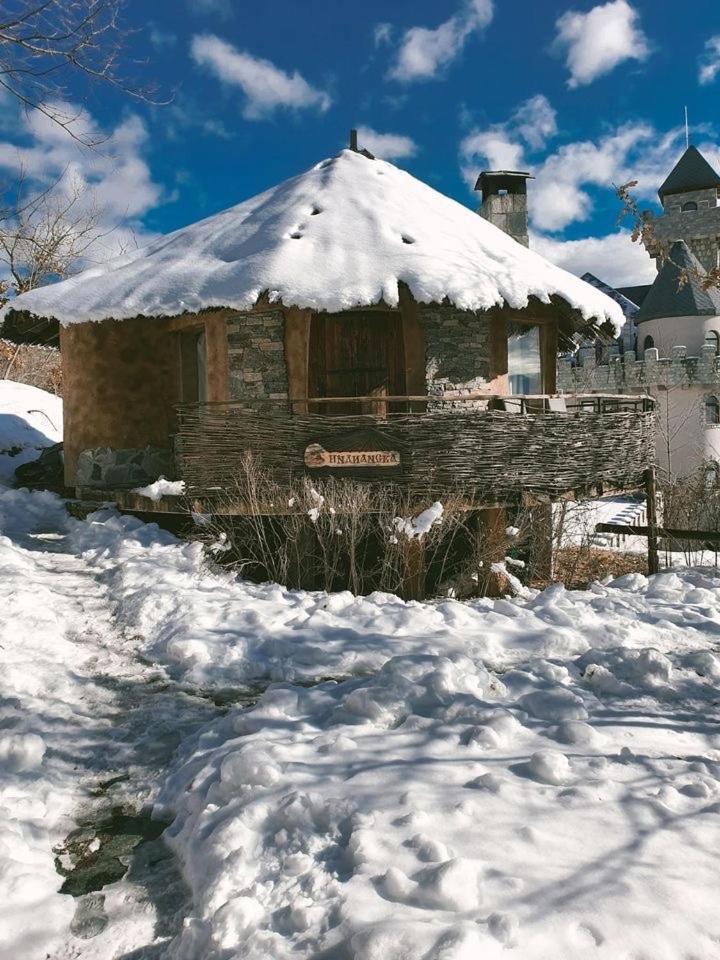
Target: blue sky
583,94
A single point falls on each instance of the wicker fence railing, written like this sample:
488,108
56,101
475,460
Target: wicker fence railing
575,444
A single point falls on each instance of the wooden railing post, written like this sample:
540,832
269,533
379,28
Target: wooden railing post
651,494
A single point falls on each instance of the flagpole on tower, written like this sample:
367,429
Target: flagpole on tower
687,130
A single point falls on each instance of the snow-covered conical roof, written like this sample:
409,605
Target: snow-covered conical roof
343,234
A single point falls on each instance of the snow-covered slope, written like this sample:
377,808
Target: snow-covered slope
30,419
505,780
342,234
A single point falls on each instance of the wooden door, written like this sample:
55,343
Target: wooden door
356,354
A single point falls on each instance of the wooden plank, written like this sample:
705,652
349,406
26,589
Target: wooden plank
297,345
548,356
669,533
651,497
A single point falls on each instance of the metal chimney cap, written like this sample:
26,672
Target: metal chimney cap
492,177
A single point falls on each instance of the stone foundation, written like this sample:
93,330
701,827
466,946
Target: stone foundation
104,468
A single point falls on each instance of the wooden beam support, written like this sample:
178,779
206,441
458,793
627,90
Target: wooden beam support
297,347
650,493
548,356
413,336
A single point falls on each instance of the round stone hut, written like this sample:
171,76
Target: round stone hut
350,290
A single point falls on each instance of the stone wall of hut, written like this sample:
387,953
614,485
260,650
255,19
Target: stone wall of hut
256,356
457,355
457,349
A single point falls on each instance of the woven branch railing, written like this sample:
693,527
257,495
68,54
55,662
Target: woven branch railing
493,453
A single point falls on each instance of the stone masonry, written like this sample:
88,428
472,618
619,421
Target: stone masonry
104,468
625,374
508,211
700,228
457,352
456,346
256,356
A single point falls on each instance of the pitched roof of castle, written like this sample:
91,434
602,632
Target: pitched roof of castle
678,290
691,172
343,234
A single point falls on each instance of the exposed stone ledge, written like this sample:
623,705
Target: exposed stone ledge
104,468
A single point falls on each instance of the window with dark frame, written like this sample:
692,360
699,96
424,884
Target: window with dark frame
712,338
712,410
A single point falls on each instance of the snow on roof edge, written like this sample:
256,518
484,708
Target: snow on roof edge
367,226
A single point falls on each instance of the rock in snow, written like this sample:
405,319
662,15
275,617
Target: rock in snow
343,234
161,488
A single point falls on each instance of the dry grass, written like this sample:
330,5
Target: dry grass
577,567
340,534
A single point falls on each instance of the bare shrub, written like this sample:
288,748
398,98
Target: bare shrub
691,502
341,534
32,364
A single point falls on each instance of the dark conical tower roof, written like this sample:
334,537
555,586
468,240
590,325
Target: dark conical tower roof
668,298
691,172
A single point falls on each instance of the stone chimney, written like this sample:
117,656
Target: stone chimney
504,201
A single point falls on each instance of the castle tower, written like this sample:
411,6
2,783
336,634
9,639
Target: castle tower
691,208
504,201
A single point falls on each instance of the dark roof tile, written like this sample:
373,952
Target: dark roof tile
691,172
668,298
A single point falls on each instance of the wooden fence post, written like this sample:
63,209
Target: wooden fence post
650,492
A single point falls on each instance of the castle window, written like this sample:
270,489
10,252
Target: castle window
648,343
713,339
689,207
712,410
711,476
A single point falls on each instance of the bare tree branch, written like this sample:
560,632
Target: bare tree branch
44,42
46,236
643,231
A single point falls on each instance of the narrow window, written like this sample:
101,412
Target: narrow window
712,338
648,343
712,410
193,367
689,207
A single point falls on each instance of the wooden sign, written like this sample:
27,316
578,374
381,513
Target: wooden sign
317,456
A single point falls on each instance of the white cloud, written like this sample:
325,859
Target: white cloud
559,197
162,39
218,8
382,34
424,52
614,258
595,42
535,121
389,146
114,177
266,87
503,145
710,60
569,179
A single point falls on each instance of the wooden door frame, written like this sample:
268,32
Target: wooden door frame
297,348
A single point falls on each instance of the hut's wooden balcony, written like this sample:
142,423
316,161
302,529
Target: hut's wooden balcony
490,449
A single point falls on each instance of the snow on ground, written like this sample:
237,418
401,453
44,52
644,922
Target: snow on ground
76,709
30,419
342,234
161,488
499,778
